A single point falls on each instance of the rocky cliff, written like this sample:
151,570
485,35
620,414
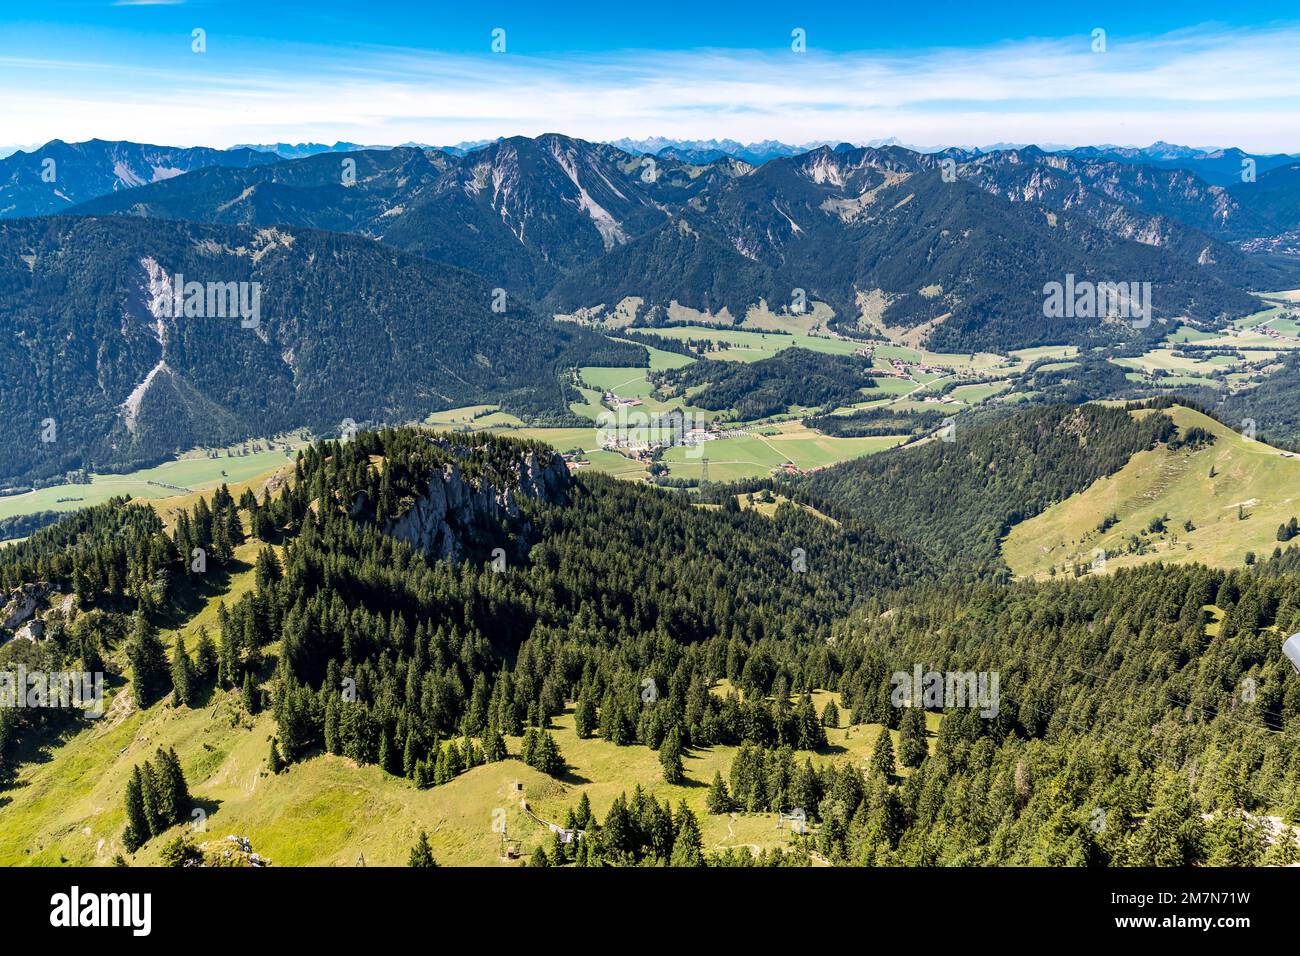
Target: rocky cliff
455,515
22,604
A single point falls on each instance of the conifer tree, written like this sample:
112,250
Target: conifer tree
547,757
494,746
583,815
148,661
688,843
205,657
153,803
421,853
1284,851
584,717
183,679
882,757
138,829
333,741
670,757
1172,833
249,694
811,732
911,738
1237,839
408,754
830,715
719,800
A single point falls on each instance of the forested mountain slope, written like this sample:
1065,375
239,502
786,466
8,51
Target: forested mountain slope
689,634
960,496
1130,729
100,371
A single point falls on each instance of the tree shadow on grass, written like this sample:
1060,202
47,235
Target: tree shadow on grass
831,750
209,807
193,592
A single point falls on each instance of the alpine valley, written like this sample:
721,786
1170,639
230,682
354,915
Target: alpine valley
547,502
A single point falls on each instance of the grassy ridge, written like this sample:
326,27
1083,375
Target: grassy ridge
327,811
1263,481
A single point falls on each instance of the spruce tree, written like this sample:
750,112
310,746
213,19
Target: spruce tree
584,717
138,829
494,746
205,657
583,814
249,694
148,661
719,800
911,738
548,758
670,757
183,679
1172,833
421,853
1237,839
153,802
174,799
882,757
830,715
408,755
688,843
1284,850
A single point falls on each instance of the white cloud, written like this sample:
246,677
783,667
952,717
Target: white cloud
1202,87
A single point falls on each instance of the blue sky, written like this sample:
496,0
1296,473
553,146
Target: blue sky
387,71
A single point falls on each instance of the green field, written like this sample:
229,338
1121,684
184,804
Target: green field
731,459
1185,333
1257,478
1165,359
195,474
1031,355
752,346
978,392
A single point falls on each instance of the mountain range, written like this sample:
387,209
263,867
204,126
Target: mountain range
380,267
582,227
59,175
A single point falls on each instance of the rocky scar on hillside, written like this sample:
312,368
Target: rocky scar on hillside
21,605
456,515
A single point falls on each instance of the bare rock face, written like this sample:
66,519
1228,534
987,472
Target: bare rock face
32,631
23,602
454,511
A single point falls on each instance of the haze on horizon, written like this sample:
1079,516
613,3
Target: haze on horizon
127,70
